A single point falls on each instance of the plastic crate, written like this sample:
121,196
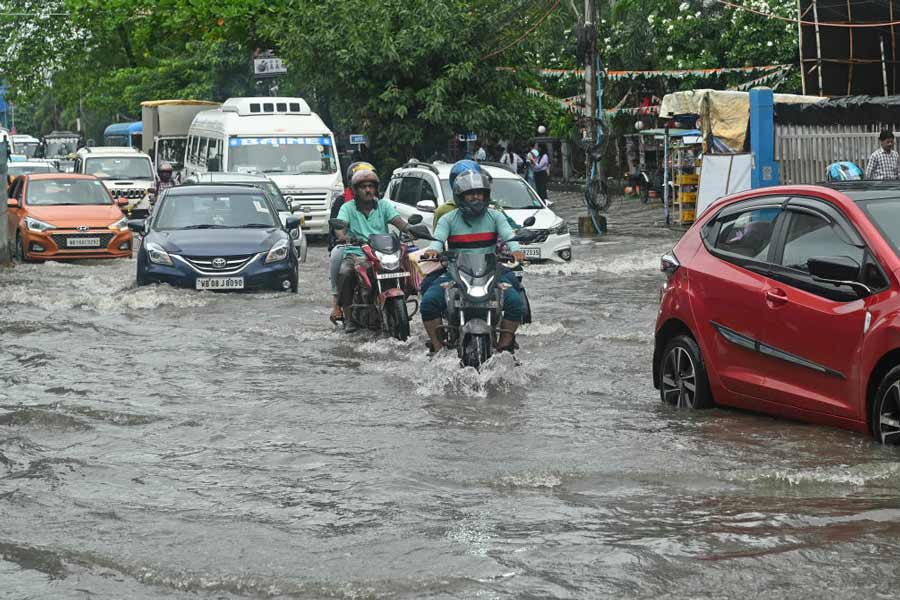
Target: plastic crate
687,197
687,179
688,215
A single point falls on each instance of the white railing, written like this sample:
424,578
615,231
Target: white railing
805,151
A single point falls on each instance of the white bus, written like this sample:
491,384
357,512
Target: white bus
280,137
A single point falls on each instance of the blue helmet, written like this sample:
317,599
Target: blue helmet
463,165
843,171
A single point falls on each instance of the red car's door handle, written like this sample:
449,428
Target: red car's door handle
776,296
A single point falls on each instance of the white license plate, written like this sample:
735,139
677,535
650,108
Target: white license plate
392,275
85,242
532,252
220,283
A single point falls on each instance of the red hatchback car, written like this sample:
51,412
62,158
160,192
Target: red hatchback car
786,300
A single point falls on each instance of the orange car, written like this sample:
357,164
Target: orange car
55,216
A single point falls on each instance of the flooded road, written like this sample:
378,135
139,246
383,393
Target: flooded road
163,443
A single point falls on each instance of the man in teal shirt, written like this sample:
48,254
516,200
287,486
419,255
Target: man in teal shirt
472,228
365,216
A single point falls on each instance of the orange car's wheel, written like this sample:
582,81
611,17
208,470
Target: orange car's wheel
20,249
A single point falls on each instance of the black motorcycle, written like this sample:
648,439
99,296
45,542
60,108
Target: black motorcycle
475,299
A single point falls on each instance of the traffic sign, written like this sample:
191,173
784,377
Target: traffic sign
357,138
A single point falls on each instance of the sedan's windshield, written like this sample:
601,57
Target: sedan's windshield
283,155
15,170
506,193
61,192
214,211
120,167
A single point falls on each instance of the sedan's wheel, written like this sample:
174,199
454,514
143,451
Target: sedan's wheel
886,416
683,376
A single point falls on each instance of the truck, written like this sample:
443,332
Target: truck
166,124
60,147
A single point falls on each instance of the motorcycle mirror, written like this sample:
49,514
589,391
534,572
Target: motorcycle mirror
525,235
421,231
529,221
337,224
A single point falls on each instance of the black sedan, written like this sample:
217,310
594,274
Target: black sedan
214,237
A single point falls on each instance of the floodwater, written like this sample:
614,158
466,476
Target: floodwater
165,443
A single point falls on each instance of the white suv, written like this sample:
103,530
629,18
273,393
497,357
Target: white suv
419,188
126,173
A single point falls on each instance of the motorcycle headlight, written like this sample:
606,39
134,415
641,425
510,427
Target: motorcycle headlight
477,291
121,224
389,262
561,228
34,225
157,254
278,252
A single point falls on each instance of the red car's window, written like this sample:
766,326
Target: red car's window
810,235
747,234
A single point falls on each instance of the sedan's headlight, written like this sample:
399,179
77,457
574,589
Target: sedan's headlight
121,224
157,254
34,225
389,262
561,228
278,252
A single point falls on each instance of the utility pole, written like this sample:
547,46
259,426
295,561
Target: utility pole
4,230
590,77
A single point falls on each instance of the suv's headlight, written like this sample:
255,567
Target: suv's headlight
157,254
121,224
561,228
278,252
34,225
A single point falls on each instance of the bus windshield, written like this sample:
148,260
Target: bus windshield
308,155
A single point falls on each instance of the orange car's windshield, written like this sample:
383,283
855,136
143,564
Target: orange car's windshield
63,192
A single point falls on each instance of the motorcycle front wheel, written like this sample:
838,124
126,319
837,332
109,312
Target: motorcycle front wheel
475,350
397,318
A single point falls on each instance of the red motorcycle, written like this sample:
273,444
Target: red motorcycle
383,285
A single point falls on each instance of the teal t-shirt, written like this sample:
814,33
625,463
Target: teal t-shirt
362,226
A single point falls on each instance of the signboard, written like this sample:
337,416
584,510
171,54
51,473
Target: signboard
720,175
278,141
471,137
356,138
268,67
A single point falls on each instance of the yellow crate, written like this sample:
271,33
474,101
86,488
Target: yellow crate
687,197
687,216
687,179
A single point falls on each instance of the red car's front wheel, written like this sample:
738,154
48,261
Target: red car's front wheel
684,382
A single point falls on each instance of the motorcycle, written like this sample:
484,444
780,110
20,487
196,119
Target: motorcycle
382,285
475,298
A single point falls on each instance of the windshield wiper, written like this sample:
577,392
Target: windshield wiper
273,170
255,225
206,226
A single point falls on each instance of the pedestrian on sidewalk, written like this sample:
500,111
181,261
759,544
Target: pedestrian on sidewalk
512,159
884,163
539,162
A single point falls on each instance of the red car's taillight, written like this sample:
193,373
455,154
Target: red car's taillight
668,264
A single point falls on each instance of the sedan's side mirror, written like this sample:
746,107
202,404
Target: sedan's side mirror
122,202
428,206
137,225
549,203
837,270
421,231
415,219
529,221
292,222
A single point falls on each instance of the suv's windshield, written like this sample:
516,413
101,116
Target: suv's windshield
506,193
119,167
214,211
310,155
57,192
27,148
59,147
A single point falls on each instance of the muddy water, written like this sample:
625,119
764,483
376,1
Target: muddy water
164,443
